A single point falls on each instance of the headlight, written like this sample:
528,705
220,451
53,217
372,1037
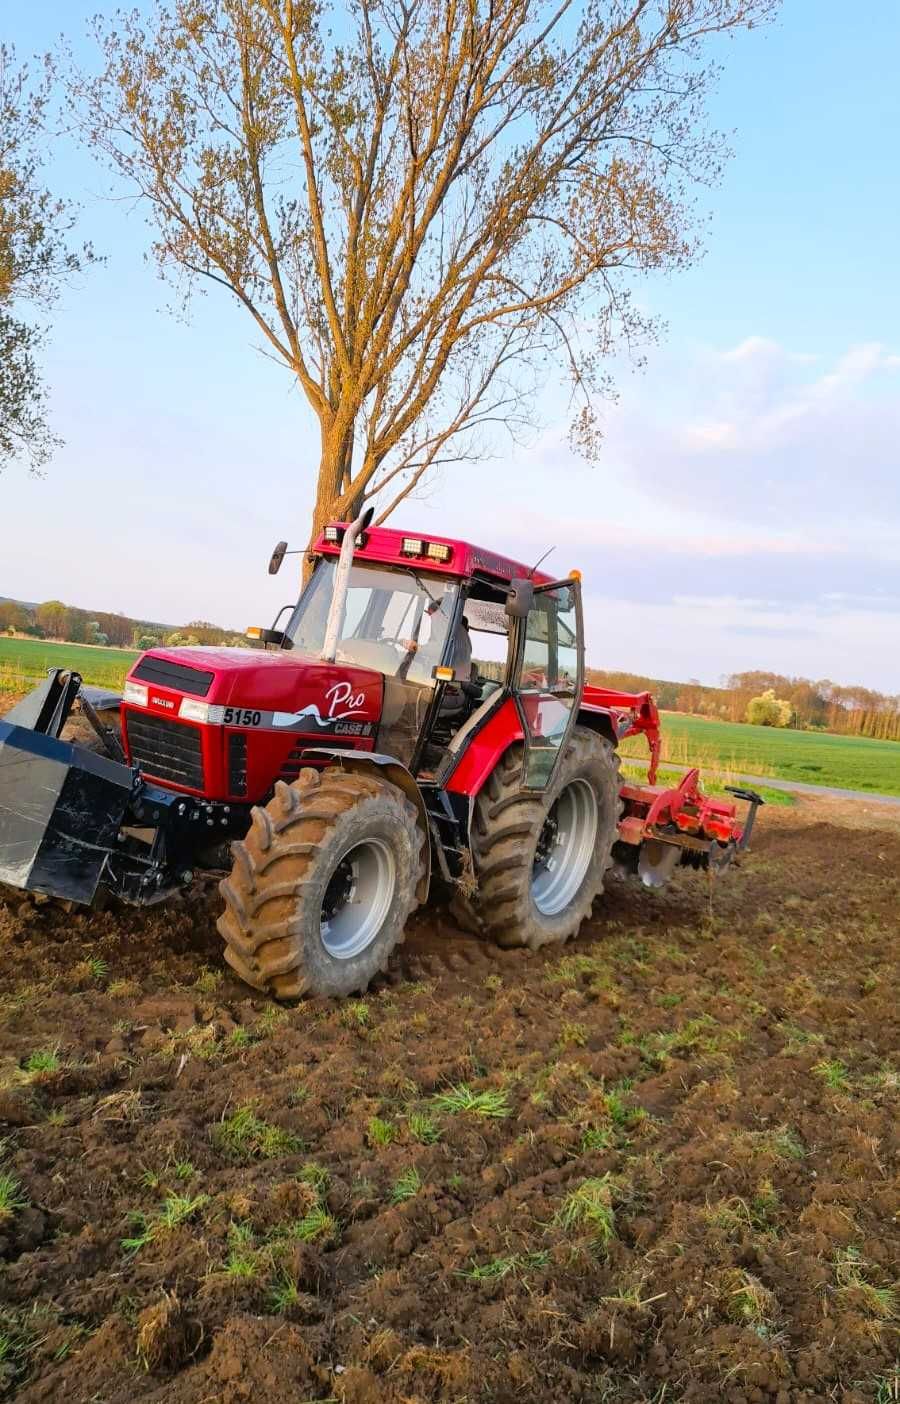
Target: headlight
412,546
192,710
136,693
438,551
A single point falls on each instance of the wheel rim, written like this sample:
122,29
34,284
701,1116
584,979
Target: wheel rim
565,848
357,899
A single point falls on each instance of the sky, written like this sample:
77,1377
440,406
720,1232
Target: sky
745,510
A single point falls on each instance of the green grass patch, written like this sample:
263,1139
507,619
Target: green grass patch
423,1128
407,1186
463,1099
495,1269
11,1197
244,1136
316,1226
589,1210
379,1132
24,662
43,1060
177,1209
810,757
833,1073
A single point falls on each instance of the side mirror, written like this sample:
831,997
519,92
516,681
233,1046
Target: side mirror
520,599
277,557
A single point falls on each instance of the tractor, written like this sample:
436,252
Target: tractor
352,757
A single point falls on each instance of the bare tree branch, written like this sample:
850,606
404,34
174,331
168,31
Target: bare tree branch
425,205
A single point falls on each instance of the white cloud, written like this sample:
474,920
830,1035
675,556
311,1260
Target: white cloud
765,438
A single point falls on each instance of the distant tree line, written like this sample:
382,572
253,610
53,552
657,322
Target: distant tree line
798,702
55,620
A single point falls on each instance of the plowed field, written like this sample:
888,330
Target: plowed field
659,1164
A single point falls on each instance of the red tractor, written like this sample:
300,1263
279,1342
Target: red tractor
353,757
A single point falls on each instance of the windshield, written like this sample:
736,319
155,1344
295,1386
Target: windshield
395,621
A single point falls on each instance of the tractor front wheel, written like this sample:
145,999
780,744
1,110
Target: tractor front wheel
540,860
322,886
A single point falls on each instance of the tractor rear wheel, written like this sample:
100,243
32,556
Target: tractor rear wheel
540,860
323,885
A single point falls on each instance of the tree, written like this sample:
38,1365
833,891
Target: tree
13,618
35,260
768,710
53,618
422,204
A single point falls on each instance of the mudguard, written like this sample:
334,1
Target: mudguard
61,809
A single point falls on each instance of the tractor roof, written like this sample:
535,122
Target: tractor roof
462,559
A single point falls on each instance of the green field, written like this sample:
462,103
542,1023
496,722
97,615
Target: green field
23,662
812,757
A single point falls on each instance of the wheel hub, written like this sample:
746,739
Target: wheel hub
357,899
564,849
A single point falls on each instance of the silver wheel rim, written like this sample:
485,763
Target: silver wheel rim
357,898
565,848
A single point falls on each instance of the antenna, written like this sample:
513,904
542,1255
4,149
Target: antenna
541,560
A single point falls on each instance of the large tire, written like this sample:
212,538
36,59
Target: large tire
521,900
288,923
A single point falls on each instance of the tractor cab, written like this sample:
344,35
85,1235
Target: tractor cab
448,626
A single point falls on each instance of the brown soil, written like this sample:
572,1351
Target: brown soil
716,1063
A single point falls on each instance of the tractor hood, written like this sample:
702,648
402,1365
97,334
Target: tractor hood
283,690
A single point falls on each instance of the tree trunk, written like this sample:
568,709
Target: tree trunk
337,446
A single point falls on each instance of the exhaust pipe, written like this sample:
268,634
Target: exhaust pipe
341,584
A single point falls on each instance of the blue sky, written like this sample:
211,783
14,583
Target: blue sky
746,508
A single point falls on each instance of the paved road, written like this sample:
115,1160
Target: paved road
792,786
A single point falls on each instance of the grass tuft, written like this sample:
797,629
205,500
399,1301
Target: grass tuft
490,1103
595,1138
11,1197
423,1128
315,1226
407,1186
245,1136
355,1015
177,1209
43,1060
379,1132
284,1294
590,1208
497,1268
850,1270
315,1175
747,1300
833,1073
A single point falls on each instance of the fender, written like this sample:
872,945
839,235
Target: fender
376,763
599,719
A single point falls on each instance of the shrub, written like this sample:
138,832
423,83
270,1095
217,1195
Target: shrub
769,710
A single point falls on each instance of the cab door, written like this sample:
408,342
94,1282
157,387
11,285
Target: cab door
547,676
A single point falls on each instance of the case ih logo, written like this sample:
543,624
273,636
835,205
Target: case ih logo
162,702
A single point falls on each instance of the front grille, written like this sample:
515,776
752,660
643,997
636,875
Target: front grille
167,749
237,763
165,674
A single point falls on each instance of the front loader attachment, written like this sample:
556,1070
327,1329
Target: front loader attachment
61,809
73,820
